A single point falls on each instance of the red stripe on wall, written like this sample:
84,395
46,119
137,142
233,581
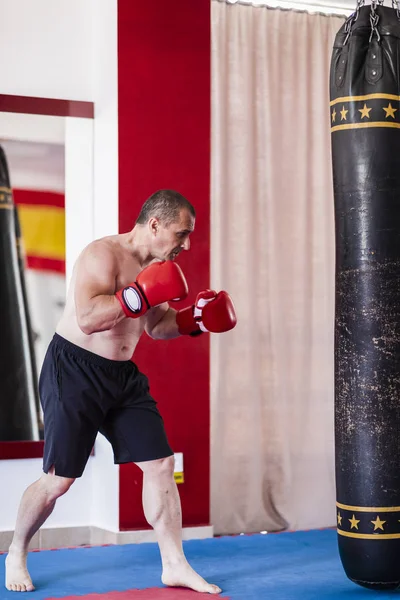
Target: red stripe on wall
46,106
45,264
36,197
164,142
21,449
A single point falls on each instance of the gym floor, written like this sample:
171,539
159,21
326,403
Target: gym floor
288,566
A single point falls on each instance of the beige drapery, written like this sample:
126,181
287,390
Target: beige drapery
272,248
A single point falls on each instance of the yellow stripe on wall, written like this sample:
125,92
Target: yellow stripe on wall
43,230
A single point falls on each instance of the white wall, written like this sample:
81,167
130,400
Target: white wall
68,49
32,128
79,189
72,509
105,475
105,89
33,165
48,46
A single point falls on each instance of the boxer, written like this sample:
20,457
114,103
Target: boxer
120,287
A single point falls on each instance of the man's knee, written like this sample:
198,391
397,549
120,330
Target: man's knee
161,468
55,485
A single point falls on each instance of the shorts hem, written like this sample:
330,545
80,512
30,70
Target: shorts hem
57,472
123,461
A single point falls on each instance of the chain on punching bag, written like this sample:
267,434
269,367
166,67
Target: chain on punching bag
18,414
365,126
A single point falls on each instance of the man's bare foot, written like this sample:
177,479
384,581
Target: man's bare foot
182,575
17,576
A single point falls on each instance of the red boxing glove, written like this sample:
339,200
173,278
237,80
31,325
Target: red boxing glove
211,312
157,283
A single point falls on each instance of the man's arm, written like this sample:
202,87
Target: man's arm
212,312
97,308
161,323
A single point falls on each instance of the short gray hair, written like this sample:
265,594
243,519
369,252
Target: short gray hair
166,206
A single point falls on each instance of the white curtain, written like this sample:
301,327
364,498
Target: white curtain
272,237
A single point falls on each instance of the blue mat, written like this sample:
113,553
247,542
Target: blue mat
288,566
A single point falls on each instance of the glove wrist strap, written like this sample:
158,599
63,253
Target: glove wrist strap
187,324
133,301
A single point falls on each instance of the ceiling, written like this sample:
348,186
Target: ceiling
35,166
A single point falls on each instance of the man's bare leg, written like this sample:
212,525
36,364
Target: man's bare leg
36,506
162,508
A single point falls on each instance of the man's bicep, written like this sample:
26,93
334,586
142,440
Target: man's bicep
96,275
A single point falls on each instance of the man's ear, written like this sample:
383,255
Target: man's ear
154,225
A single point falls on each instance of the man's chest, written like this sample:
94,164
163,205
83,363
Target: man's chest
127,273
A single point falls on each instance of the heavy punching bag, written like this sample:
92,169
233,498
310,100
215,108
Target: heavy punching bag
365,135
21,265
18,411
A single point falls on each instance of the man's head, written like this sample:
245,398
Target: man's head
169,220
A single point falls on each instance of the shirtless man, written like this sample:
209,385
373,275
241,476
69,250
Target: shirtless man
120,287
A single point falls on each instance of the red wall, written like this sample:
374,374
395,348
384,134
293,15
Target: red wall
164,142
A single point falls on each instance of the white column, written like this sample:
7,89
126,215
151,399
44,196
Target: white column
105,475
105,88
79,204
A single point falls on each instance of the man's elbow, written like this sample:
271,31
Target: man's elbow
152,333
86,324
89,324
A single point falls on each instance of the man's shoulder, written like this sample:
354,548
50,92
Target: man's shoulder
102,249
105,244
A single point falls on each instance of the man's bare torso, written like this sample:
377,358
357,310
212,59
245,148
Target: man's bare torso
119,342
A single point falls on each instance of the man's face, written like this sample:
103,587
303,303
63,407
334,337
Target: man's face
169,241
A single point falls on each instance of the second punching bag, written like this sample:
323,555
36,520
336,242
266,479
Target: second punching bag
365,126
30,333
18,413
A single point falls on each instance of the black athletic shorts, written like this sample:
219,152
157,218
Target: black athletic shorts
81,394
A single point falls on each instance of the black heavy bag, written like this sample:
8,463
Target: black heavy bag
18,414
31,334
365,122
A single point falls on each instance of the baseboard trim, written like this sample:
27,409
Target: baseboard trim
67,537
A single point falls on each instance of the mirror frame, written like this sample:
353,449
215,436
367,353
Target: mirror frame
55,108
